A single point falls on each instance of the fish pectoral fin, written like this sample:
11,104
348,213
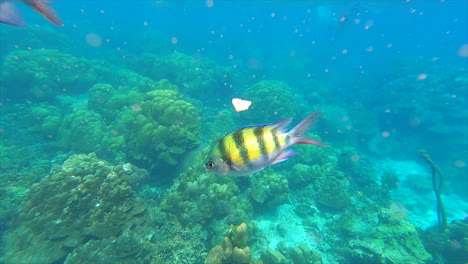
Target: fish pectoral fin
284,156
236,168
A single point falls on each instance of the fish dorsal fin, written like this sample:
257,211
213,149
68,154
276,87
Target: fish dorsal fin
281,125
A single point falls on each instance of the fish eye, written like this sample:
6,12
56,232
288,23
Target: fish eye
209,165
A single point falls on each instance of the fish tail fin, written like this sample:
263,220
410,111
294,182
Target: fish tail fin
297,133
10,15
43,7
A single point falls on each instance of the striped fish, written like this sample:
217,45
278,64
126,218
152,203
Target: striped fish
250,149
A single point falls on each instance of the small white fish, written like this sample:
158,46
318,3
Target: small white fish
10,15
240,105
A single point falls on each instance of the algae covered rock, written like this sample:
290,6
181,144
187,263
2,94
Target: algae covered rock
273,257
450,244
394,240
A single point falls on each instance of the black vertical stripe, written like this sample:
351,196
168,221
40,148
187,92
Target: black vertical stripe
223,152
258,132
286,140
274,133
238,137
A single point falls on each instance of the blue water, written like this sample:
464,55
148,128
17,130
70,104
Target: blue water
106,124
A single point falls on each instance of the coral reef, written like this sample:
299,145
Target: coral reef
450,245
413,108
83,198
196,76
233,248
157,131
82,131
269,189
381,237
85,210
328,184
202,198
272,101
44,74
44,120
40,74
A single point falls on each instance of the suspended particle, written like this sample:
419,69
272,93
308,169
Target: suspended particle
463,51
459,163
354,158
93,40
422,76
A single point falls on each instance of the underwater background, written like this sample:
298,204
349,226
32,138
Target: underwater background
106,124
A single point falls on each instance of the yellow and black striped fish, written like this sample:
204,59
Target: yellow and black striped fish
250,149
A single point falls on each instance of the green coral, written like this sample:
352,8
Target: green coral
40,74
329,186
272,101
381,237
43,74
83,198
233,249
44,120
269,189
197,76
451,245
82,131
86,210
203,198
159,131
